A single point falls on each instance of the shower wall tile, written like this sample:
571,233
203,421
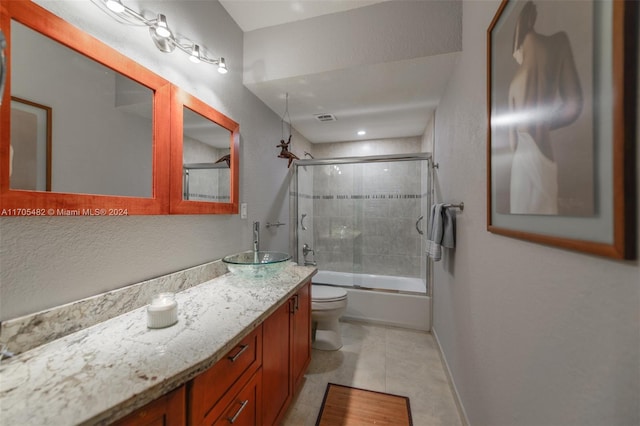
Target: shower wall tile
326,207
364,217
348,208
406,208
374,245
376,208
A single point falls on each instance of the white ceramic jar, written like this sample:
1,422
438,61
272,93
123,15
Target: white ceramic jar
162,311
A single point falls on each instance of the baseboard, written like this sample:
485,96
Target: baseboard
353,318
456,395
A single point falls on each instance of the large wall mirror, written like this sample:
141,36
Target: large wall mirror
85,130
204,158
99,122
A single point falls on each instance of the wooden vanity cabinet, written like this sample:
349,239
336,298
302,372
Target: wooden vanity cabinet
168,410
301,332
253,384
286,355
211,393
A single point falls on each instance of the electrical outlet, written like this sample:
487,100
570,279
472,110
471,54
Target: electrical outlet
243,210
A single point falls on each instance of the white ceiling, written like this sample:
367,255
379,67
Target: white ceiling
387,99
253,14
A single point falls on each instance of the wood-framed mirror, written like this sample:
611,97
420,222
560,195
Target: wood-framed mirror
205,148
109,123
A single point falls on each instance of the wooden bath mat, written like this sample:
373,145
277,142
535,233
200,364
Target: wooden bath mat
347,406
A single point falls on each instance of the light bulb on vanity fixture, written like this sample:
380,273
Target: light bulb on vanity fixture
195,54
161,27
222,66
165,40
115,6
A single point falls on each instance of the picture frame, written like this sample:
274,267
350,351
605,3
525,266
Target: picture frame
30,152
561,95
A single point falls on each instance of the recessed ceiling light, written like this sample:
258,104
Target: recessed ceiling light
361,133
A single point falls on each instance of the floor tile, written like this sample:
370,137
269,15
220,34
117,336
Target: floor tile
385,359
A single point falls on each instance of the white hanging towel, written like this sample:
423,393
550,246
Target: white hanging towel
442,231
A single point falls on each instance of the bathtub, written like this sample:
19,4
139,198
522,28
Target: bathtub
380,299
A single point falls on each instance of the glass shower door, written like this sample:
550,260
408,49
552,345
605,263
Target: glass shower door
359,218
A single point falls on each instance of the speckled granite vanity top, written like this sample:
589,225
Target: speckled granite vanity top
100,373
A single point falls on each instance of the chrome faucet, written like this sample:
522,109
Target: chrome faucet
256,237
306,250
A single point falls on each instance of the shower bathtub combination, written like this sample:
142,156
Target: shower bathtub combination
360,220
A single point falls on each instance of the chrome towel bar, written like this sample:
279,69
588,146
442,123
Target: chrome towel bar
455,206
269,225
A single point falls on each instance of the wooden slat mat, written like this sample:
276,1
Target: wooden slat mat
347,406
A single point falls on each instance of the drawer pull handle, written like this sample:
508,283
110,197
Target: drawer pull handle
233,358
235,416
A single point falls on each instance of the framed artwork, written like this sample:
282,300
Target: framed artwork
30,149
561,92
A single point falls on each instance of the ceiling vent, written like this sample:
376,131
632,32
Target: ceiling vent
325,117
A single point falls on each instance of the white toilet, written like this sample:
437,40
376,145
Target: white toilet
327,306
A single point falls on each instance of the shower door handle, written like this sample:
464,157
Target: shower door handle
418,225
304,228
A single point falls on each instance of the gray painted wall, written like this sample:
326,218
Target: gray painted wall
49,261
533,335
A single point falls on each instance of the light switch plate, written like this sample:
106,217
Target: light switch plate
243,210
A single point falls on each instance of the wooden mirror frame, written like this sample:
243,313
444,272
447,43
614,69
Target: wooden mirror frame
178,205
39,203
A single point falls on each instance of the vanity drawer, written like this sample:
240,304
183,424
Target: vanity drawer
244,408
210,387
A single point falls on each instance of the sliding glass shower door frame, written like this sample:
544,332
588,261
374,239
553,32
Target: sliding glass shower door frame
302,220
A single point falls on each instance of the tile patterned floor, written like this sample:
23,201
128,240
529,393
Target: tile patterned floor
385,359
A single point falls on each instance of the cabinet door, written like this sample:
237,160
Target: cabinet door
301,337
169,410
245,408
276,363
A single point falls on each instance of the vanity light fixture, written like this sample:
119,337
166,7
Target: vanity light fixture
361,133
164,39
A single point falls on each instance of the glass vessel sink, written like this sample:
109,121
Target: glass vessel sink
256,264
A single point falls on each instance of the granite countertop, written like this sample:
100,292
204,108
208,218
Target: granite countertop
103,372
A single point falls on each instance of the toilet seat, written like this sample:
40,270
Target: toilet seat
326,294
